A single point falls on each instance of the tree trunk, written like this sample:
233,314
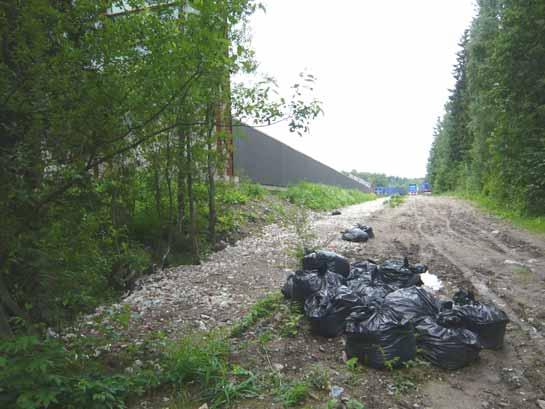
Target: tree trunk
193,233
9,304
5,329
170,221
212,215
157,183
181,180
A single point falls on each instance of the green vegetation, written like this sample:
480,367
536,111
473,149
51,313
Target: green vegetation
490,143
518,218
396,200
295,393
380,179
261,309
323,197
116,130
80,372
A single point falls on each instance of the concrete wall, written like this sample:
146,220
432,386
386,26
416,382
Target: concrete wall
267,161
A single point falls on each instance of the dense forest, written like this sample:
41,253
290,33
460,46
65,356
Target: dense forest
381,179
491,140
115,121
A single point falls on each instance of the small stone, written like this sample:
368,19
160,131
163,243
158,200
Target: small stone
278,367
205,406
541,403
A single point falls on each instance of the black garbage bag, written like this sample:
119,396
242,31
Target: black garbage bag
326,260
449,348
287,288
367,265
370,293
486,320
366,229
398,273
327,310
378,336
414,303
355,234
302,284
463,297
357,273
364,269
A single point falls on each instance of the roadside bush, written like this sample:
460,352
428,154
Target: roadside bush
37,373
324,197
44,374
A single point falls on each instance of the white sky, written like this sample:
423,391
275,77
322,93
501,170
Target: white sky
384,68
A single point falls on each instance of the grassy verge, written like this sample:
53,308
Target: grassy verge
534,224
105,368
396,200
323,197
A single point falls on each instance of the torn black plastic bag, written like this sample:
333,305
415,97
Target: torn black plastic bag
398,273
378,336
303,284
368,292
449,348
414,303
355,234
486,320
327,310
326,260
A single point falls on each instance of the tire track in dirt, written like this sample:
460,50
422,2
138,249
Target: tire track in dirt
524,341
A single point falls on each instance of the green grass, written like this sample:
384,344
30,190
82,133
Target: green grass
323,197
295,394
534,224
396,200
261,309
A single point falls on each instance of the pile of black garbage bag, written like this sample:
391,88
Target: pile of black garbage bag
386,314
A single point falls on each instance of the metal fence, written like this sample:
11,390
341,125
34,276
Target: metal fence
267,161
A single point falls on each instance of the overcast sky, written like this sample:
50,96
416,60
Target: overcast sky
384,68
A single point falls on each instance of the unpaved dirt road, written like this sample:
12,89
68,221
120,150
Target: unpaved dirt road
469,249
464,247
